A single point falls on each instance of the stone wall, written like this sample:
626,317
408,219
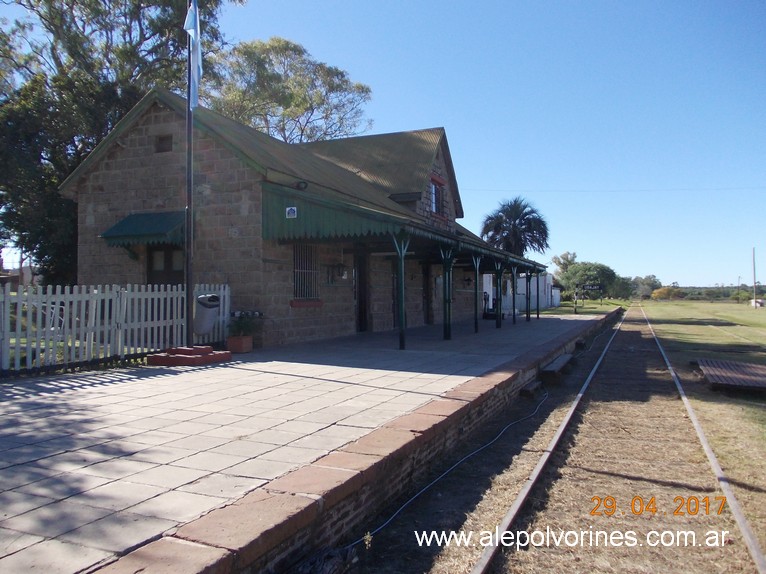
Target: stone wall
136,177
289,320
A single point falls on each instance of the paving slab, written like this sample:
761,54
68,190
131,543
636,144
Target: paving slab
95,465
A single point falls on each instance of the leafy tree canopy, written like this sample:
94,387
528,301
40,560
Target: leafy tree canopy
563,261
278,88
622,288
644,286
587,273
667,293
68,74
517,227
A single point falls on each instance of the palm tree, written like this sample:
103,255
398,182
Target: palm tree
516,227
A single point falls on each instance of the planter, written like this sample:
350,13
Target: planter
240,343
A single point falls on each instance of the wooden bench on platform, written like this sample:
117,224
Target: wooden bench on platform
552,372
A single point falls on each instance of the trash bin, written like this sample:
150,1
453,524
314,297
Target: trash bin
206,313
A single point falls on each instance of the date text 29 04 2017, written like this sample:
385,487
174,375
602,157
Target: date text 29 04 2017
682,506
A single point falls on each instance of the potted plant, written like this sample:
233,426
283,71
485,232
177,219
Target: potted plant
241,329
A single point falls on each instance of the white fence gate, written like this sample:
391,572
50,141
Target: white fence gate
55,326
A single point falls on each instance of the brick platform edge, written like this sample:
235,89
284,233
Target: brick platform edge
314,507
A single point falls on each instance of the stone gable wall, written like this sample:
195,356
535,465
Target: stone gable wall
446,219
134,177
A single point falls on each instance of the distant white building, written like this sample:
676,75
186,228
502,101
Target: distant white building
541,285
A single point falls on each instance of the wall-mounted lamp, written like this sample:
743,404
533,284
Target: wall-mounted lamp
301,185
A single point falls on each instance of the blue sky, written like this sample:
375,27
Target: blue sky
637,129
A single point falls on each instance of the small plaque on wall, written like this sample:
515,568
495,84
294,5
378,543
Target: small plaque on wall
291,213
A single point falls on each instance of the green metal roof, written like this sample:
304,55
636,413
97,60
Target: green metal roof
271,157
147,228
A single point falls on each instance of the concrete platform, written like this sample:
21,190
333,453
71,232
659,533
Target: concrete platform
249,464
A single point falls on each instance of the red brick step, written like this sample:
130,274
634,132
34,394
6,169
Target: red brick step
188,357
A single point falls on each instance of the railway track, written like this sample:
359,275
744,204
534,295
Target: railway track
638,488
614,476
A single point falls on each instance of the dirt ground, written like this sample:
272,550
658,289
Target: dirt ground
630,466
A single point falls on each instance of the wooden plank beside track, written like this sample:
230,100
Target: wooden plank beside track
728,374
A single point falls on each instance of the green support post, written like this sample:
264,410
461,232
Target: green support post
448,260
499,290
401,242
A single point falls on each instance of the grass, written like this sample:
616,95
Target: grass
698,329
734,420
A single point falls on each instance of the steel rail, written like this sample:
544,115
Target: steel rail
489,552
751,541
485,560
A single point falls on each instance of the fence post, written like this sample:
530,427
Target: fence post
120,308
5,325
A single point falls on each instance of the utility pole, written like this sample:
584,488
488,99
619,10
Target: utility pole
755,294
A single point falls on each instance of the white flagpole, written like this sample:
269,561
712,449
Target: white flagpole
191,25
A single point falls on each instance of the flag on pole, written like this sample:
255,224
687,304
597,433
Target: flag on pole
191,25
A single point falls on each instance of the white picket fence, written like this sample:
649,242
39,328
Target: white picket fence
55,326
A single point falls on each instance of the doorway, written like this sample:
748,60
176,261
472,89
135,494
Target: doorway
361,291
428,312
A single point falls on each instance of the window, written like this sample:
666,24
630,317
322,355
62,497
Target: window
437,197
163,144
305,272
165,264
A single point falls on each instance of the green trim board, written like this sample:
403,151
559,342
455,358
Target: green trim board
290,214
298,215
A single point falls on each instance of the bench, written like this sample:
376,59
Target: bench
551,373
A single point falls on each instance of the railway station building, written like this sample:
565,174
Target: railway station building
323,239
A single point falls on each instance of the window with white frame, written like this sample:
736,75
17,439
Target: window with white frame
437,197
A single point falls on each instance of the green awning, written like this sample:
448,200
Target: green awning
291,215
147,228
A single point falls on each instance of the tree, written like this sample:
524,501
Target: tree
38,220
123,42
278,88
622,288
564,261
587,273
68,75
644,286
667,293
516,227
